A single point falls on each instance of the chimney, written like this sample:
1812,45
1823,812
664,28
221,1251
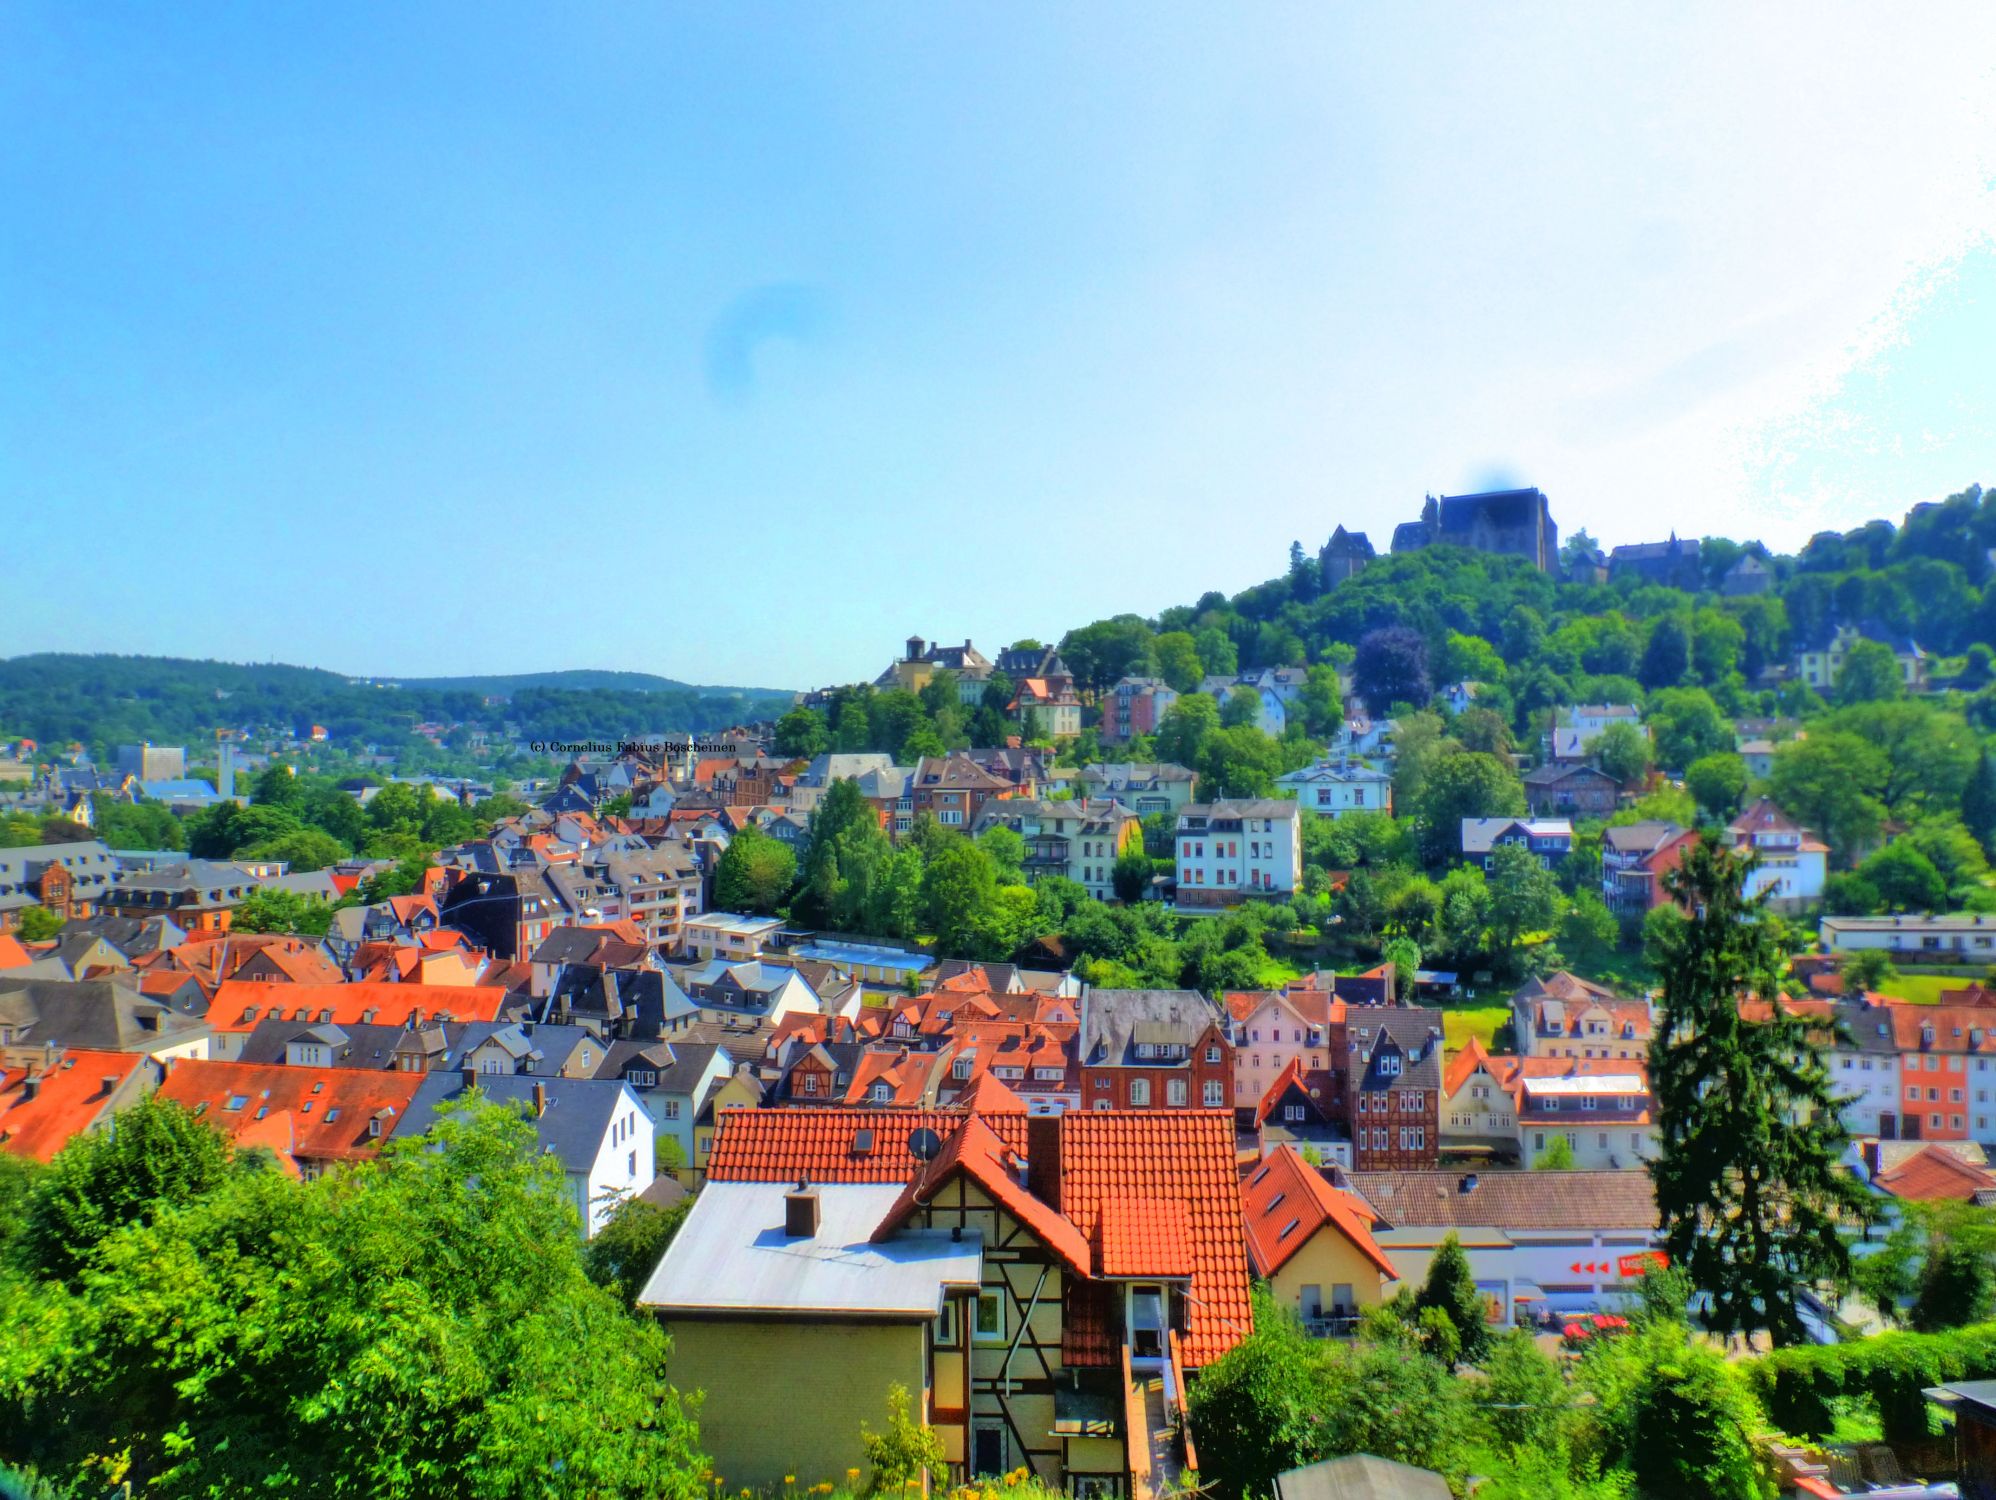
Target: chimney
31,1087
540,1099
1043,1158
107,1083
915,645
800,1212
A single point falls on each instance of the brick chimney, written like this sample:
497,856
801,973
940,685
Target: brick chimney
540,1099
800,1212
1043,1158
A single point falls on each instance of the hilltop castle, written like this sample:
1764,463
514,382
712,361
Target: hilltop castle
1513,523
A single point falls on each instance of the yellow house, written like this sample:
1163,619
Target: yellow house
1479,1115
1312,1243
741,1090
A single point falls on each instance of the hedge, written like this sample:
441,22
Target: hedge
1798,1385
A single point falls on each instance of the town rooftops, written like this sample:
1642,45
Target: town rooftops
240,1004
573,1125
323,1114
1510,1200
1955,922
1196,814
1935,1173
95,1014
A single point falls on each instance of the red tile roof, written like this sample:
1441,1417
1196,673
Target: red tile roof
1172,1164
68,1100
240,1004
988,1095
976,1152
1135,1237
306,1114
1286,1193
1184,1158
782,1145
1472,1056
1935,1173
12,954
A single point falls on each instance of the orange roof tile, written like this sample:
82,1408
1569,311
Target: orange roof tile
329,1110
988,1095
781,1145
977,1152
1185,1158
1935,1173
1140,1237
1285,1201
12,954
68,1100
1472,1056
240,1004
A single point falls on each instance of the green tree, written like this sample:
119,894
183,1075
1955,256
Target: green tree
1242,709
1666,655
1404,954
1866,970
304,850
1717,783
844,845
38,924
159,1158
905,1456
1557,1156
1524,896
1686,724
1749,1190
1870,674
1623,752
1185,727
631,1243
421,1324
274,909
1451,1288
1904,878
1007,849
1132,873
958,890
1465,784
754,873
1178,660
1833,782
1218,656
1588,932
802,733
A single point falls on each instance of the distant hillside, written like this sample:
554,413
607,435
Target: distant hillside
107,700
580,680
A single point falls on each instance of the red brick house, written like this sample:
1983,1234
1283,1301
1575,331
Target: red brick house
1154,1049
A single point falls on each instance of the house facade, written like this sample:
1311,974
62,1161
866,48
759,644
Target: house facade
1041,1287
1793,862
1230,851
1334,788
1153,1050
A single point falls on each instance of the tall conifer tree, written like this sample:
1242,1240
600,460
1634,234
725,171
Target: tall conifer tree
1748,1186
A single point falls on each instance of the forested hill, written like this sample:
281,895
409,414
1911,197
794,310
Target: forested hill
108,700
1542,640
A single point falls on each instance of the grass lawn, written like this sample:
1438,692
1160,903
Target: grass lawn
1461,1022
1922,989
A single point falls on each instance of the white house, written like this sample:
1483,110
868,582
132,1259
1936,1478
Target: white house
729,935
1967,937
1793,861
1231,850
1331,788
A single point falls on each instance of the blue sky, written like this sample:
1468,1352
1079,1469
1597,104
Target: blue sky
739,342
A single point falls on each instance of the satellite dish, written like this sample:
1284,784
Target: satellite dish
924,1145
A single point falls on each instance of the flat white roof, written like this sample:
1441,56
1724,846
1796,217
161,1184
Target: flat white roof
1591,1083
731,1255
728,921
